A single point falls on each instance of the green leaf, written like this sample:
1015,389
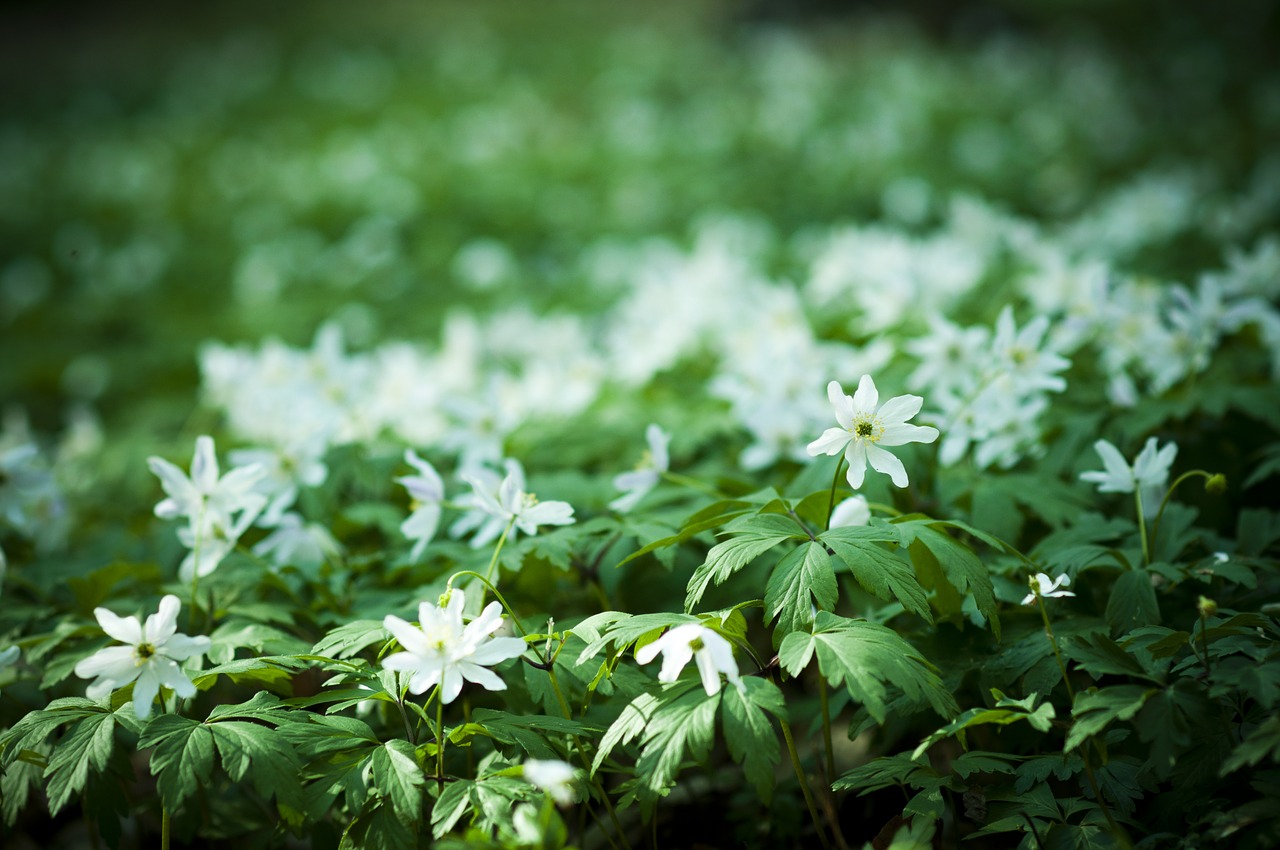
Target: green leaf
349,639
802,575
182,760
536,734
750,537
399,777
867,659
959,565
33,729
1005,712
684,725
712,516
1094,710
886,772
87,745
1100,656
1262,742
880,571
243,746
451,805
1132,603
748,732
270,670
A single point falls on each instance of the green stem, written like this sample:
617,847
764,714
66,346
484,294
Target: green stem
515,621
831,500
440,738
804,784
1053,642
1168,494
493,562
1204,646
826,728
164,828
1142,526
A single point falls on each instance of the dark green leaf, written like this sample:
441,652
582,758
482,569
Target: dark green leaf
801,580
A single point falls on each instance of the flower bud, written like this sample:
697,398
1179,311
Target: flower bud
1207,607
1216,485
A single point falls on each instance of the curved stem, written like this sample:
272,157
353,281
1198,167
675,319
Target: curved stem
439,738
1168,494
497,550
804,783
831,500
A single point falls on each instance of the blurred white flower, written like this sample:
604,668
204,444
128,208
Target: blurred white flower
865,426
426,492
1149,473
513,506
851,512
646,476
553,776
295,542
1042,585
442,651
693,642
150,656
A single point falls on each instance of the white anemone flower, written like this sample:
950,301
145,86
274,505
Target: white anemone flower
1043,586
149,657
693,642
1149,473
552,776
426,492
853,511
442,651
866,426
513,507
646,476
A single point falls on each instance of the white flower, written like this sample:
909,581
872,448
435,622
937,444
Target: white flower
1019,358
691,641
150,656
295,542
851,512
1042,585
864,428
218,508
441,651
426,492
553,776
512,506
646,476
1150,471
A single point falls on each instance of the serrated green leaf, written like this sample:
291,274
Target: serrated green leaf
749,734
534,734
885,772
270,670
265,757
867,658
1009,712
1100,656
1132,603
87,745
750,537
450,806
712,516
350,638
880,572
182,760
802,579
399,777
959,565
684,726
1094,710
1262,743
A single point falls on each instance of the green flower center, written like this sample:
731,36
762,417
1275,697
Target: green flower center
864,429
144,651
697,645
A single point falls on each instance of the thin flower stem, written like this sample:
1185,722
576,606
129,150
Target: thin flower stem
195,571
515,621
831,500
826,727
439,739
1168,494
493,562
804,784
1142,526
1204,646
1053,642
164,828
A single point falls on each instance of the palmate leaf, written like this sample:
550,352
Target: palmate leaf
867,659
749,733
534,734
802,579
712,516
262,755
1006,711
397,774
87,745
350,638
880,570
749,538
942,559
182,758
1094,710
684,726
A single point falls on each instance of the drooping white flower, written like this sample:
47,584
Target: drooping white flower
853,511
1042,585
149,657
552,776
646,476
426,492
693,642
1150,468
866,426
511,506
440,650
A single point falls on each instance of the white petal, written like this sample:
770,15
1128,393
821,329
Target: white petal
123,629
842,404
498,650
830,443
866,398
708,672
856,455
451,685
162,624
144,693
900,409
171,676
901,434
204,465
482,676
113,663
883,461
181,647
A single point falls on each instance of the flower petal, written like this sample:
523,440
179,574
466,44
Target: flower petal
830,443
841,403
900,434
123,629
856,455
204,465
900,408
161,625
883,461
866,398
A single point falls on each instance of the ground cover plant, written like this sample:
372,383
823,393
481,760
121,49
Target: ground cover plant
578,427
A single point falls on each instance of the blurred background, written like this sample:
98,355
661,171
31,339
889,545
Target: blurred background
235,170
